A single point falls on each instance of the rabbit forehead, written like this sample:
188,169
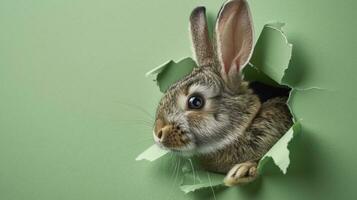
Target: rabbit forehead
207,90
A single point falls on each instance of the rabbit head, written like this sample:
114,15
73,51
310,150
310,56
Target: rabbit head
199,113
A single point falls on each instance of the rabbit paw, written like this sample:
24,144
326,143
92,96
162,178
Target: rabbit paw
241,173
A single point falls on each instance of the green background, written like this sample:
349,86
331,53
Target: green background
72,94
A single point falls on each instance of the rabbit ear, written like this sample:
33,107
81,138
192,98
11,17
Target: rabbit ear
202,45
234,37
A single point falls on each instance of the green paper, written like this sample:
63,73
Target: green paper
154,72
271,56
66,66
201,180
195,178
279,153
170,72
152,153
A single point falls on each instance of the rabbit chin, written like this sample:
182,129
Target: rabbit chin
187,150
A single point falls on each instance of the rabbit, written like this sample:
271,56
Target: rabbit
212,114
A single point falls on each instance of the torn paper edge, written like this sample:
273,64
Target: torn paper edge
182,67
280,152
198,184
152,153
159,69
277,26
191,188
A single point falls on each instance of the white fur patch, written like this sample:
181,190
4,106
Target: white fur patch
213,147
212,126
182,101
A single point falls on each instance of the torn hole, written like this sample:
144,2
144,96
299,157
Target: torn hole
265,72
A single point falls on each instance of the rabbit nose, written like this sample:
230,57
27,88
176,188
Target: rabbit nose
162,133
159,135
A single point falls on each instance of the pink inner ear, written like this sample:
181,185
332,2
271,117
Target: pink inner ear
228,43
235,36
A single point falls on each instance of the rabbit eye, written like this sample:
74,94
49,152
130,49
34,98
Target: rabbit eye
195,102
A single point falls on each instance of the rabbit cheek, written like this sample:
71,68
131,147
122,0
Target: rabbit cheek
195,117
